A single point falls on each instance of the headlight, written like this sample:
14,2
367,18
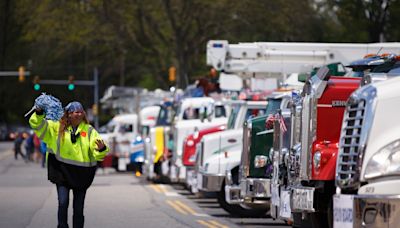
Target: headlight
317,161
190,142
260,161
385,162
192,158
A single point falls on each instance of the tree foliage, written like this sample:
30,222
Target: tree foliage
134,42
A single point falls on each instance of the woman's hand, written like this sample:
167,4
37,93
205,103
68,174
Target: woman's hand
100,145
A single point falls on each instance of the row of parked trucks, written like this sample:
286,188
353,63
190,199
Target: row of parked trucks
321,155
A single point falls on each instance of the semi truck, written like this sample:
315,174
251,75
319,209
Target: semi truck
221,151
193,113
303,184
250,183
189,153
367,193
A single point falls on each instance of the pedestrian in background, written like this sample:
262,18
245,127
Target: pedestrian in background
73,147
37,155
29,146
17,145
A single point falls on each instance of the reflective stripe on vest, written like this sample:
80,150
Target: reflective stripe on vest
44,131
41,125
91,163
72,162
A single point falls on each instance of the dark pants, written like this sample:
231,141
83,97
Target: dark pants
18,151
78,204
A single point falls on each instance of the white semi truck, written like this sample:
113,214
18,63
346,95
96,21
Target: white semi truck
192,113
368,165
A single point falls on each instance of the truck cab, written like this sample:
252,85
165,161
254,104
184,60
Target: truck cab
189,153
367,179
252,184
193,113
220,152
156,143
119,133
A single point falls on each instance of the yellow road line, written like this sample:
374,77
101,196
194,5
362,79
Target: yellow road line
155,188
162,188
218,224
176,207
205,223
184,206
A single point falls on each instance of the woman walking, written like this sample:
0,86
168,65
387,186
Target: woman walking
73,147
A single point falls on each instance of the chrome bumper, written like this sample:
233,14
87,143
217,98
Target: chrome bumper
232,194
255,188
376,211
210,182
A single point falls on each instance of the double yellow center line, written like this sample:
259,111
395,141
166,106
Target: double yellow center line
158,188
181,207
185,210
212,224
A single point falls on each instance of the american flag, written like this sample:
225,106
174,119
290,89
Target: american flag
269,122
282,124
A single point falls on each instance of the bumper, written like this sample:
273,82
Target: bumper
232,194
250,191
256,188
191,179
210,182
368,211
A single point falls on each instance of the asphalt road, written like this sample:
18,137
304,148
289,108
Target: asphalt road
114,200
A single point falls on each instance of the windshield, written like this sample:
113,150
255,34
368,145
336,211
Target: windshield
273,105
165,116
233,116
254,112
220,111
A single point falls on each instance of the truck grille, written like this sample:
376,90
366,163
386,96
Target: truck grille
244,168
349,158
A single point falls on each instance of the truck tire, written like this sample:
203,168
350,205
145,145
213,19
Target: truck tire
298,222
323,219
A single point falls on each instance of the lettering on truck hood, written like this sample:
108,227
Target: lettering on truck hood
334,103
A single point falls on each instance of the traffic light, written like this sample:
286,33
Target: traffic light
172,74
36,81
95,110
21,74
71,85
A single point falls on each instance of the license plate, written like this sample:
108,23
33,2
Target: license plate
303,199
343,211
275,195
284,210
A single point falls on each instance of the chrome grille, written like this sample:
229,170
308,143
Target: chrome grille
348,166
244,168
